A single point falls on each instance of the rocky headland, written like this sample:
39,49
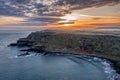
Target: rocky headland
100,44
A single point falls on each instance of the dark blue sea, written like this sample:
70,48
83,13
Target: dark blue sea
49,67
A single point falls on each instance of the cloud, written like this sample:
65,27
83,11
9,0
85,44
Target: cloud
48,7
34,21
33,9
62,23
109,27
44,19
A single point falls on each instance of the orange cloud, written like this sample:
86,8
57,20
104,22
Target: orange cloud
91,23
4,20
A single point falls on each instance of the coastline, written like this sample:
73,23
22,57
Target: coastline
37,41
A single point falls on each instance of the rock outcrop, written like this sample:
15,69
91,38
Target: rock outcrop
106,45
23,42
65,42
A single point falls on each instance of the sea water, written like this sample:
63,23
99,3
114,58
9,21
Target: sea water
50,67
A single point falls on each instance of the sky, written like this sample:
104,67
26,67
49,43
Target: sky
60,14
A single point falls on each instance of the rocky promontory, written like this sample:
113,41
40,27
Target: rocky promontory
92,43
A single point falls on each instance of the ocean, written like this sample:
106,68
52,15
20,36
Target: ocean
49,67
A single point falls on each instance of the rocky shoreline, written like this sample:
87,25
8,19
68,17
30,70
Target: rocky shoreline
64,42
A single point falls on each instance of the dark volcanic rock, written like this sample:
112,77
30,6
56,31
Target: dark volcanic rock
116,65
13,44
35,49
24,54
23,42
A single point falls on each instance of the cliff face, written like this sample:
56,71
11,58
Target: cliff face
99,44
72,42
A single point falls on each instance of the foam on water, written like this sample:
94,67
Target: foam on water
12,55
112,75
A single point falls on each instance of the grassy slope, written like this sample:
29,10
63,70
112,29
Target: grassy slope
98,43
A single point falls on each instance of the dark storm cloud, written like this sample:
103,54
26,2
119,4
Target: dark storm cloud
30,8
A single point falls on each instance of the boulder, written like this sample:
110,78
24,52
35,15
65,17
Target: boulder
13,44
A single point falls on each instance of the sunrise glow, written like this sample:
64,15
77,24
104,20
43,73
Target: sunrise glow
64,16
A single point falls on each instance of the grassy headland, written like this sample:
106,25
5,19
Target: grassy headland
95,43
91,43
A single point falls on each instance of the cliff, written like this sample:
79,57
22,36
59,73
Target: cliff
72,42
76,43
87,43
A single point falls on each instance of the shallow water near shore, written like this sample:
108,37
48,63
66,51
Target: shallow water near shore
49,67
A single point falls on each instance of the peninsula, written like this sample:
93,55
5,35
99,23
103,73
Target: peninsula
94,43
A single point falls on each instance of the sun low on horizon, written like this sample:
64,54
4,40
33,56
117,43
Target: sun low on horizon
60,14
